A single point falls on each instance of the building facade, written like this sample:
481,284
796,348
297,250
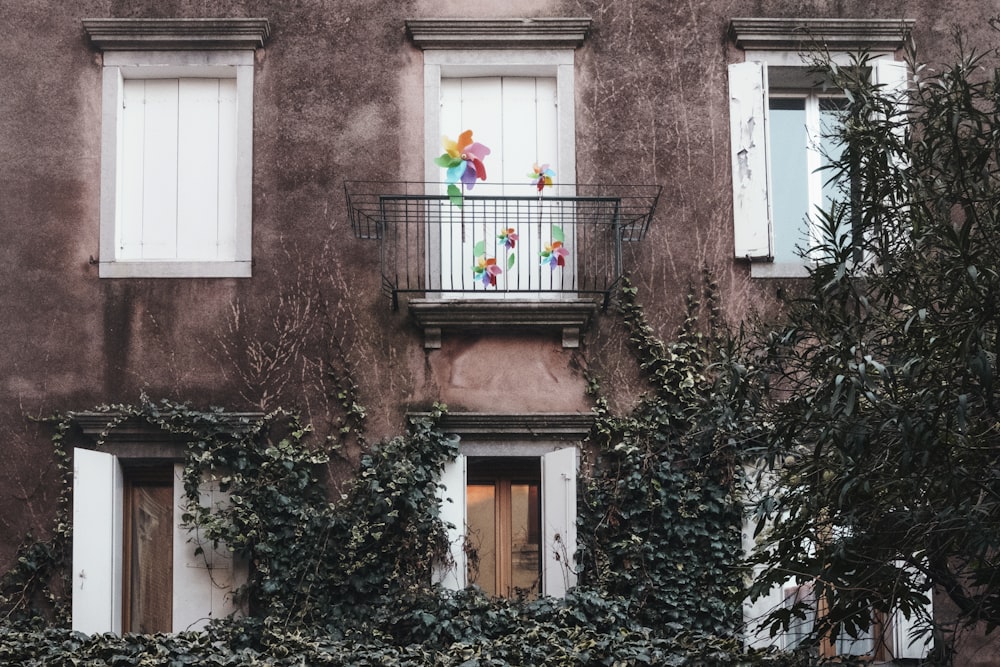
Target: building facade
217,202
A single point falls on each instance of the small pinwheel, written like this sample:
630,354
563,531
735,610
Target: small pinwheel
541,175
485,269
464,161
555,253
508,237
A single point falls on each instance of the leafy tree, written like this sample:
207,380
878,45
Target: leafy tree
878,445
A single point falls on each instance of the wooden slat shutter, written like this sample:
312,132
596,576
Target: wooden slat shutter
748,137
558,521
97,542
177,176
452,495
203,583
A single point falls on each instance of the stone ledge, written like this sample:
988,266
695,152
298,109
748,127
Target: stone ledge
573,426
572,317
138,440
511,33
141,34
785,33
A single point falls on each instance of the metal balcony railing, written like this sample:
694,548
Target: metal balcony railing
490,245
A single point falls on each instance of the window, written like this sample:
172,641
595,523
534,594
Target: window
866,644
177,145
888,637
781,116
801,147
512,516
518,100
134,564
503,526
517,117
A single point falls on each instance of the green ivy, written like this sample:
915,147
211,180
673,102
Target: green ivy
347,580
660,522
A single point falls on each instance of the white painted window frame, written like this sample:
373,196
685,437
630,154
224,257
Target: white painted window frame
753,233
559,467
121,65
788,42
146,48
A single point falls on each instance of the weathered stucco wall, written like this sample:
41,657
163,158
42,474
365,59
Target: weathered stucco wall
338,95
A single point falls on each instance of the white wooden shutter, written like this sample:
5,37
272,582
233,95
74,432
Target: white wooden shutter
905,644
748,137
890,73
177,175
558,521
452,495
206,177
517,119
203,583
97,542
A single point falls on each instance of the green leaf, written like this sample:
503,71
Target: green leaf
510,261
557,234
455,195
479,249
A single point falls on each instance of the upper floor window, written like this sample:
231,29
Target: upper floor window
177,145
517,96
783,121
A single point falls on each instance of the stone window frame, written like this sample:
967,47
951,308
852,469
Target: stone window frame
175,48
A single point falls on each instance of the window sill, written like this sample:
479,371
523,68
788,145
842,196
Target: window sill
778,270
571,316
180,269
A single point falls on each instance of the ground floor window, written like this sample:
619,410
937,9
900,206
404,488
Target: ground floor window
511,512
503,532
136,566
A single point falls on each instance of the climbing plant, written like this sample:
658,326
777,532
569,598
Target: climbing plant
661,521
347,579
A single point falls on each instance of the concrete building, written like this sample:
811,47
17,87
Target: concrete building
217,201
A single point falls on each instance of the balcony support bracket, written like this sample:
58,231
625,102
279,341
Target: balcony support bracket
570,317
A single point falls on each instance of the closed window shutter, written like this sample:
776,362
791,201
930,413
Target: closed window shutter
517,118
558,521
97,542
177,181
905,643
748,137
451,492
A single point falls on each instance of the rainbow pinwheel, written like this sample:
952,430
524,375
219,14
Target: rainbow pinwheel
555,253
464,161
508,237
485,269
541,175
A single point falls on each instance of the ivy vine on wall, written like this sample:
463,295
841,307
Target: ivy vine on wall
347,579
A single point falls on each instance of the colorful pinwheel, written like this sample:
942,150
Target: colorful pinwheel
464,161
555,253
541,176
508,237
485,269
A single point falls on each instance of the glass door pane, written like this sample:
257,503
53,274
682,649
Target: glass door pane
149,558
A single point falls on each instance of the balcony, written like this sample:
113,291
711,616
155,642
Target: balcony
491,258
